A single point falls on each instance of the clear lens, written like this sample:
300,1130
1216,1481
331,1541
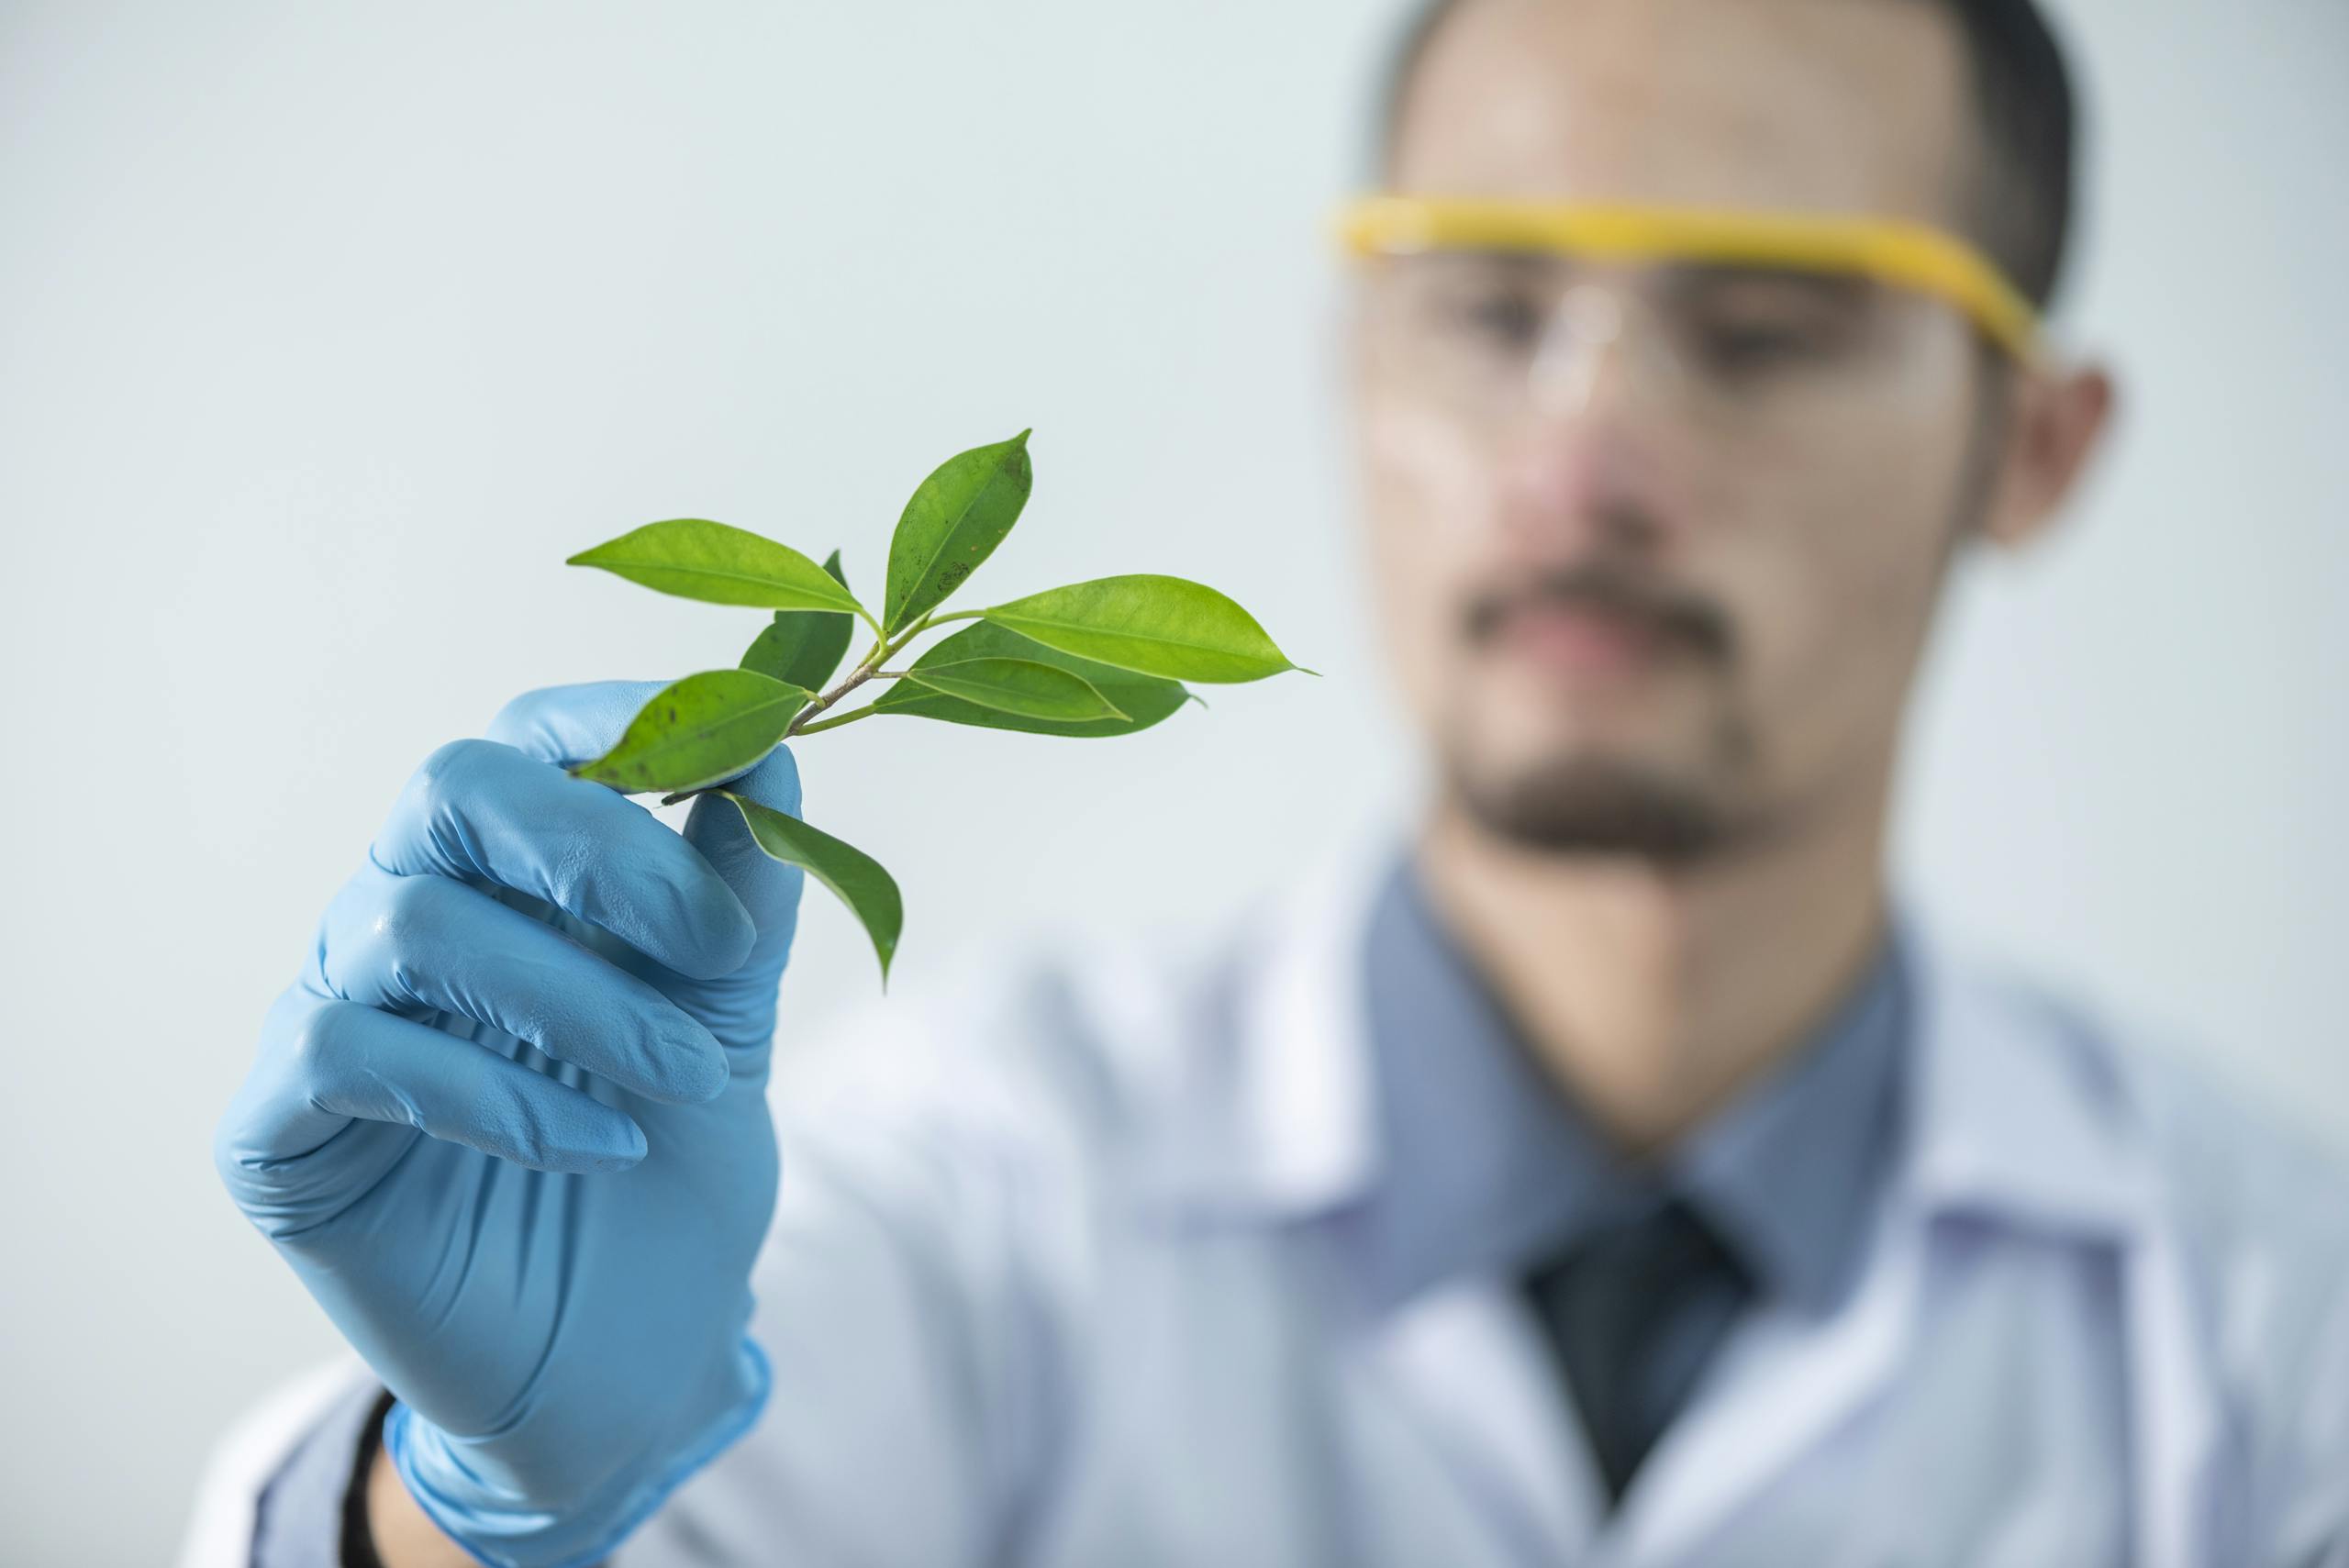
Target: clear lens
1498,336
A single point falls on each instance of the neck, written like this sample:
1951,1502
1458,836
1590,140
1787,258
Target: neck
1654,993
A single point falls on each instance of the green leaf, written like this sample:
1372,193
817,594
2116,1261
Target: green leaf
719,564
1143,699
1159,625
1025,686
868,891
953,522
696,731
804,648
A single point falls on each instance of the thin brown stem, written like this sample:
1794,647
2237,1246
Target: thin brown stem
809,719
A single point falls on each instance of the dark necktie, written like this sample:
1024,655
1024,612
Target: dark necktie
1633,1313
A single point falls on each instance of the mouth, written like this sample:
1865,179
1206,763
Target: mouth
1583,639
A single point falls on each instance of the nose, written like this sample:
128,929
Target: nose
1583,473
1597,347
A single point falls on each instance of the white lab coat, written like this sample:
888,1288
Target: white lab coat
1050,1284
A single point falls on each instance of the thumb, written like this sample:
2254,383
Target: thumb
740,1008
768,888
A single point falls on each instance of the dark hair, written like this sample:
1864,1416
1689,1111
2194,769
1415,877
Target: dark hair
2024,100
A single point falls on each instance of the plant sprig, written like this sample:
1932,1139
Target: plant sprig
1104,657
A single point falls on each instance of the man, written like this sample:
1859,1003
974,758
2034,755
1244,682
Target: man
1609,1170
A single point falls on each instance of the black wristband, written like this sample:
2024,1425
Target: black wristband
358,1541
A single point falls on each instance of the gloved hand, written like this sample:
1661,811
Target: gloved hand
510,1128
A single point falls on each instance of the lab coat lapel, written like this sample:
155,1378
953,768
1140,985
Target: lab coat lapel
1464,1360
1783,1384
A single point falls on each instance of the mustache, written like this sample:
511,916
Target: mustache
1694,623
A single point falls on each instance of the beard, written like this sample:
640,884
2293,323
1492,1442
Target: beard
1577,802
1581,805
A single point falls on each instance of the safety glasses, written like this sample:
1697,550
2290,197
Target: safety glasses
1497,304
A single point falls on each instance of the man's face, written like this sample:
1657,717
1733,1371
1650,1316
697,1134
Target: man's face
1636,615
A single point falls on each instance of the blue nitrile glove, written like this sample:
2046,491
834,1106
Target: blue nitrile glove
510,1128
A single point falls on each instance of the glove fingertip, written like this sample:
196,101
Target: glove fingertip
630,1152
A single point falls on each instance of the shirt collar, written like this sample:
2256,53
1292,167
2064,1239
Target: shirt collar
1485,1164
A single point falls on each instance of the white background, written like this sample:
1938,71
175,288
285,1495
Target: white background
327,332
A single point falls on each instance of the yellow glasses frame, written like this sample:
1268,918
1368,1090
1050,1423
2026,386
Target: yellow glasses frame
1910,255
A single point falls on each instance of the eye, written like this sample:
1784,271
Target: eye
1753,348
1500,319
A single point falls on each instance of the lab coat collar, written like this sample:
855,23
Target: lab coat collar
1271,1115
2018,1109
2012,1108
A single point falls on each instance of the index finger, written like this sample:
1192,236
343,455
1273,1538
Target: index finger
484,809
573,724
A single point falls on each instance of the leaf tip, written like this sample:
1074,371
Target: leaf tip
1020,440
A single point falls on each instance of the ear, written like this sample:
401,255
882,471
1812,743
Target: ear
2055,420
